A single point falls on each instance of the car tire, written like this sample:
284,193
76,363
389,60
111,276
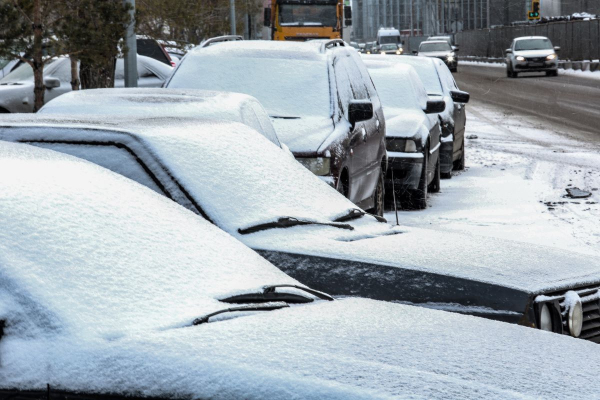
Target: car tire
435,185
446,175
459,165
418,198
379,197
551,73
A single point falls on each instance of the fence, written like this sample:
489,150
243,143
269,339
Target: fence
578,40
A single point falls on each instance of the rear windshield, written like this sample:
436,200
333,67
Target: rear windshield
288,88
441,46
533,44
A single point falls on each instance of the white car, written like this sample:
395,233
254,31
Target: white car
531,54
166,103
440,49
16,88
110,291
234,177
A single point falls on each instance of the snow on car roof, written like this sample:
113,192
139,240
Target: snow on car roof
262,49
216,162
133,260
530,37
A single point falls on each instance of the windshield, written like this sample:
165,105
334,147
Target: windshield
439,46
305,14
389,39
23,73
389,47
533,44
284,87
3,62
427,73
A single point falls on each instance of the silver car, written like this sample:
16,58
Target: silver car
531,54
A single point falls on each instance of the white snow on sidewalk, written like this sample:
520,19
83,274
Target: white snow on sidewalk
578,73
514,186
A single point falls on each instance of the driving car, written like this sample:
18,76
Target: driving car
439,49
320,97
390,48
234,177
16,88
110,291
413,132
438,81
445,38
531,54
157,103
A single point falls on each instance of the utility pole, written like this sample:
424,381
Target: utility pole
488,14
232,16
131,75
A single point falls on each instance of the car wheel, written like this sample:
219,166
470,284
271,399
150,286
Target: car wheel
459,165
378,197
418,199
435,185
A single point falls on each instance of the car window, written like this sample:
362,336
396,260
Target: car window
439,46
342,80
267,127
249,118
357,84
61,69
115,157
446,77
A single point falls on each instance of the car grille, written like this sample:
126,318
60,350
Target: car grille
590,300
537,59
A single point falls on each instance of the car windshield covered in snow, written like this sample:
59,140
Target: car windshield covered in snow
285,89
424,67
533,44
434,46
398,87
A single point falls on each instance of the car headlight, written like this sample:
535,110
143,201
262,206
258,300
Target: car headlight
545,318
400,145
319,165
574,313
450,57
551,57
399,51
520,58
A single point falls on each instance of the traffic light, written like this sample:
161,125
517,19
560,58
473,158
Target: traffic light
535,10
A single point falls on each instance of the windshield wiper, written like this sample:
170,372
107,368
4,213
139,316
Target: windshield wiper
269,294
263,307
283,117
287,222
355,213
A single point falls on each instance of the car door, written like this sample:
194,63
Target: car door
459,113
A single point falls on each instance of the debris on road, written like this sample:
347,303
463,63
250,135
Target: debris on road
576,193
472,137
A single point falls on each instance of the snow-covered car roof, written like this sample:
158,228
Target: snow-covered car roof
529,37
155,103
100,279
264,48
423,66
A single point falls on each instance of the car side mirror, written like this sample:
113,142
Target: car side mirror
459,96
267,17
359,110
455,49
556,48
435,106
51,83
508,51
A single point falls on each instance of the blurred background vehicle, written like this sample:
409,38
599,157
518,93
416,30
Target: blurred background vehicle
531,54
440,49
390,48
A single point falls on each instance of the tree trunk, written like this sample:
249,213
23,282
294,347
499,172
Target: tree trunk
74,73
96,76
37,62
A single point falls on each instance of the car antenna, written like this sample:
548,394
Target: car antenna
394,197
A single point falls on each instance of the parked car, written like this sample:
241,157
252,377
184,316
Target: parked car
438,81
320,97
440,49
390,48
110,291
16,89
413,132
531,54
237,179
157,103
445,38
151,48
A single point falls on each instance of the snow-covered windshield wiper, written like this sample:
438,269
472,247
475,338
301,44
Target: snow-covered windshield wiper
287,222
284,117
355,213
269,294
261,307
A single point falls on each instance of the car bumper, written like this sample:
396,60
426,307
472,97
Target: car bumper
536,66
446,153
406,169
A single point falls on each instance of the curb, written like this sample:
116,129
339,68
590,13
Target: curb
575,65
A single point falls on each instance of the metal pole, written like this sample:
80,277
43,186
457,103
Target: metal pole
488,14
411,18
131,75
232,16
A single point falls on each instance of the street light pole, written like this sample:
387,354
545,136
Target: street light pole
232,15
131,76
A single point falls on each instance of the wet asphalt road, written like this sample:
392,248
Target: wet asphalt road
564,102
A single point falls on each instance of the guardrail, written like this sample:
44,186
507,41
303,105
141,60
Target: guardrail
578,40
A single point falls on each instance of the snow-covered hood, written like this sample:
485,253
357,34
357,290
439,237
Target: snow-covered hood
346,349
405,123
435,53
534,53
304,134
524,267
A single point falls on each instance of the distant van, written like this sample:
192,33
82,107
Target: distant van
388,35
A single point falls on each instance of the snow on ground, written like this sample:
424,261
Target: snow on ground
514,185
578,73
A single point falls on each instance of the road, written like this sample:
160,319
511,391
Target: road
565,102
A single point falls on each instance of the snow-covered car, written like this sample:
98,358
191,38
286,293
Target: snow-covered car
16,88
439,49
109,291
438,81
6,66
320,97
531,54
236,178
413,132
157,103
